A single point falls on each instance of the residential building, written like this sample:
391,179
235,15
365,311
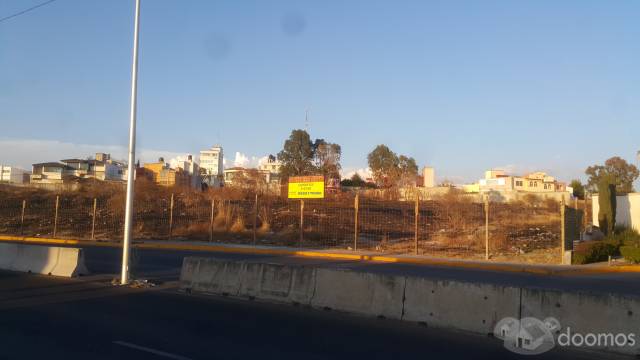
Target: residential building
212,165
109,169
51,173
162,174
509,186
190,167
271,168
100,168
13,175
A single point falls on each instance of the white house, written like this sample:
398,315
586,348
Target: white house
212,165
271,168
100,168
13,175
191,167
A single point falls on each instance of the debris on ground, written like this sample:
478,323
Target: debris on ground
136,284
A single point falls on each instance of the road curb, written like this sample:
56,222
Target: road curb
262,250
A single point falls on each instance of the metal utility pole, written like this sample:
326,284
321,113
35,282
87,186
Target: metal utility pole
128,220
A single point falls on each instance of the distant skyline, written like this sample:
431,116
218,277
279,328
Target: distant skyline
461,86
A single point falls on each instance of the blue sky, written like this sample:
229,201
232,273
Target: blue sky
460,85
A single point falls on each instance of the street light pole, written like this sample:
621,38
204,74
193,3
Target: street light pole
128,220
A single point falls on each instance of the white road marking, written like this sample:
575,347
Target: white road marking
150,350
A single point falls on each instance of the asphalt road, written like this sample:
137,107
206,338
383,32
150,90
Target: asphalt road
51,318
165,265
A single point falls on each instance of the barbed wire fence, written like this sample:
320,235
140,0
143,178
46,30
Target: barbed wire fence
454,227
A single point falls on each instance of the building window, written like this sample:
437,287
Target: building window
518,183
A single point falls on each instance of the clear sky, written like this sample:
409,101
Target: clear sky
460,85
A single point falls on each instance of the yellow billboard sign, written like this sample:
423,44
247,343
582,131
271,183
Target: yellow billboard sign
306,187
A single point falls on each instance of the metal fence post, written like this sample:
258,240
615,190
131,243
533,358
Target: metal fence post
24,206
93,219
356,206
213,206
562,230
226,204
55,218
486,227
255,219
301,221
415,228
171,217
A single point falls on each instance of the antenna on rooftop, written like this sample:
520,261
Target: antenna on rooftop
306,119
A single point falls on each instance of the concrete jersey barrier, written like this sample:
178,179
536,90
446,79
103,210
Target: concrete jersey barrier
47,260
272,282
459,305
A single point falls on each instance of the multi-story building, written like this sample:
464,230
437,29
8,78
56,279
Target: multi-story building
51,173
100,168
271,169
190,167
212,166
162,174
13,175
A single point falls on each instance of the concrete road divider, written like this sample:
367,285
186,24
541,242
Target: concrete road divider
585,313
211,275
48,260
363,293
359,292
460,305
278,282
272,282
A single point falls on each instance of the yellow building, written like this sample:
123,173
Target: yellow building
162,174
471,188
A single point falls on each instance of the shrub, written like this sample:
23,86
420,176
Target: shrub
626,236
238,226
631,253
595,252
579,259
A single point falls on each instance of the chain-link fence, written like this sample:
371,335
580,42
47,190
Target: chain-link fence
450,227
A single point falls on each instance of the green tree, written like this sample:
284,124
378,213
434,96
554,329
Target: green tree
578,188
301,156
617,170
607,203
297,155
357,180
390,169
408,170
384,165
327,158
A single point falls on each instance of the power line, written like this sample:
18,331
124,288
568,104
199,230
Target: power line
26,10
